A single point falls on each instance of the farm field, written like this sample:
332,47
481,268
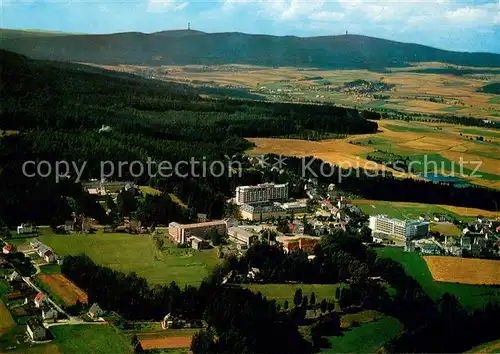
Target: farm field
137,253
367,338
408,210
282,292
470,295
441,146
464,270
90,339
63,288
166,342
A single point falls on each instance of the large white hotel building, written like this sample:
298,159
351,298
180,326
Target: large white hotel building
407,229
261,193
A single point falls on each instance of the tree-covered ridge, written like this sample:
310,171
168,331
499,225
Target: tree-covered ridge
193,47
493,88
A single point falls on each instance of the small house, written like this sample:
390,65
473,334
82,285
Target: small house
35,329
8,248
49,256
24,229
49,314
198,243
14,276
40,300
95,311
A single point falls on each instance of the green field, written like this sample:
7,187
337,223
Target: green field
50,269
90,339
487,348
470,296
282,292
137,253
367,338
6,320
400,128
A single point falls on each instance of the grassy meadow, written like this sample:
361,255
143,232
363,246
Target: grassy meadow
282,292
137,253
100,338
470,296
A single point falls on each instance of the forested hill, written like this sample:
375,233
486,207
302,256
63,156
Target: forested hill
195,47
57,110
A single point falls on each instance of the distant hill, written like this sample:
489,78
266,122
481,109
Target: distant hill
194,47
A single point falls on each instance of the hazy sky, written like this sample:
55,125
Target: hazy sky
448,24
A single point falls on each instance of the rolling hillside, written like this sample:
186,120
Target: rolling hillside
195,47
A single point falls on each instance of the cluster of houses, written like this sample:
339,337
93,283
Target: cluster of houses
45,252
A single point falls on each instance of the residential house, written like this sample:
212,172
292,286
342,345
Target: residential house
198,243
8,248
35,329
409,246
95,311
465,242
49,256
431,249
41,300
14,276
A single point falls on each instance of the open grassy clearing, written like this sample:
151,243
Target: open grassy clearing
6,320
100,338
447,229
464,270
470,296
282,292
408,210
137,253
487,348
367,338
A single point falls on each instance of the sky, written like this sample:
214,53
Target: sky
448,24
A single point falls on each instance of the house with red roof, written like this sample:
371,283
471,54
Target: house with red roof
8,248
40,299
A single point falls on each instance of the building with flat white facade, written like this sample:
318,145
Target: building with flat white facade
261,212
261,193
407,229
180,233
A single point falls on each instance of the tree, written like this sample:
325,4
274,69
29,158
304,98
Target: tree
323,305
365,234
312,300
331,306
285,305
304,301
297,298
136,344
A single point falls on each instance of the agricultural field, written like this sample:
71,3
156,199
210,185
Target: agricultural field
367,338
408,210
102,338
167,339
464,270
282,292
6,320
444,147
470,295
64,289
137,253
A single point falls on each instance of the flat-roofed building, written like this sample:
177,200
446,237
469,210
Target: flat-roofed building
407,229
261,193
261,212
299,206
181,232
242,235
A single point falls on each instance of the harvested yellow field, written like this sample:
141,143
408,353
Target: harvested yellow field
471,211
464,270
471,161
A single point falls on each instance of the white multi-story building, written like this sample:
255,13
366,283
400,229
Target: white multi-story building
407,229
261,193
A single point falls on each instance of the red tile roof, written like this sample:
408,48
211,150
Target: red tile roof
39,297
